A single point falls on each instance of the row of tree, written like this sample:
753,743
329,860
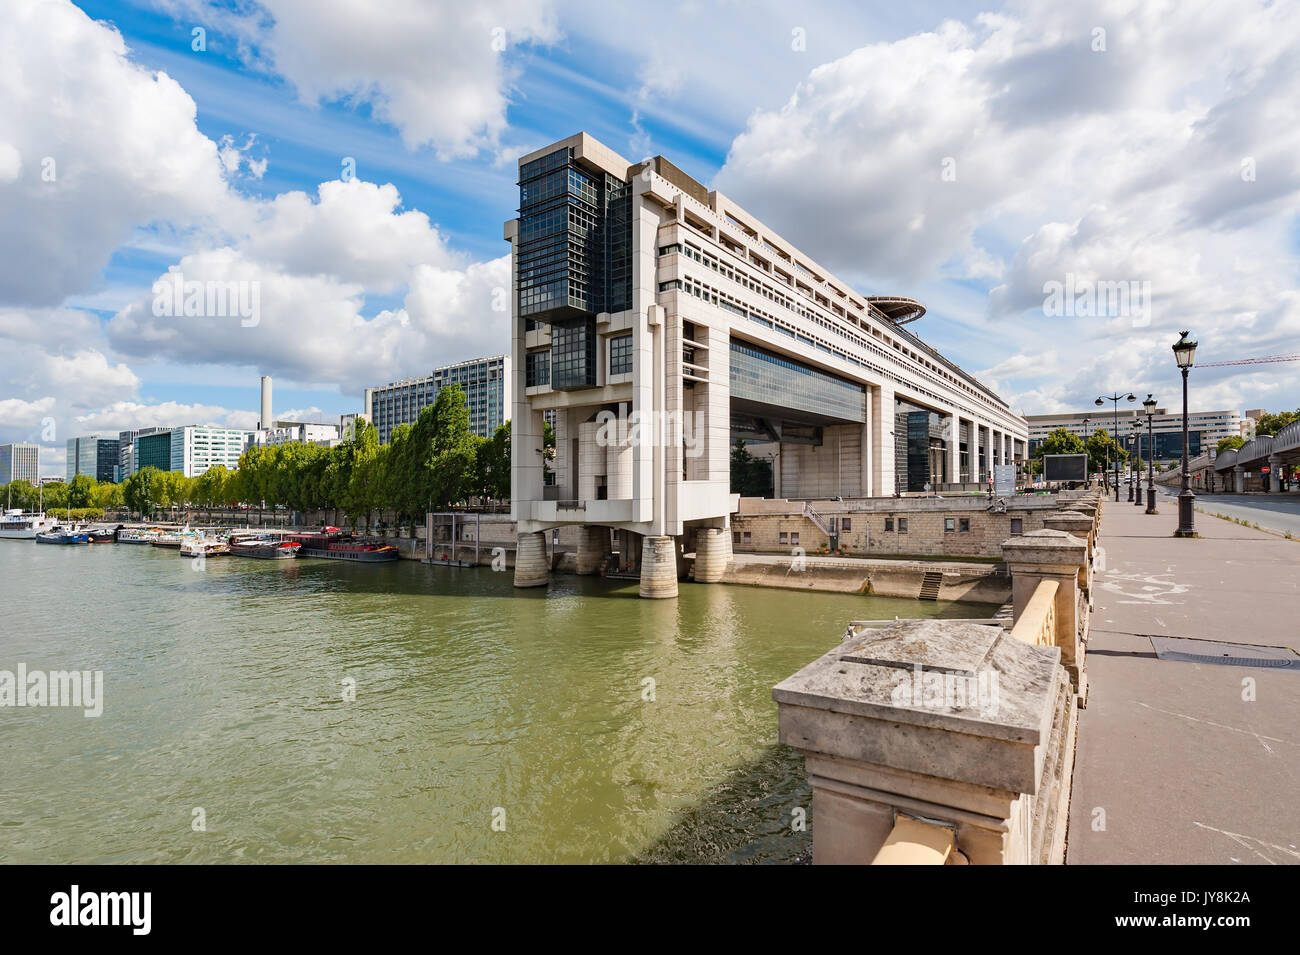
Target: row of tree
1101,448
82,493
434,464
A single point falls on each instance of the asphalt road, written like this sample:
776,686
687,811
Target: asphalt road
1280,512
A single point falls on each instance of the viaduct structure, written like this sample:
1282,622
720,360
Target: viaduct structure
654,322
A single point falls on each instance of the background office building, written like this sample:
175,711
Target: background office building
302,432
92,455
191,449
20,462
638,292
485,381
1204,428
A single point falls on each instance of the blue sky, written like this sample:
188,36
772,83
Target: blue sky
1117,159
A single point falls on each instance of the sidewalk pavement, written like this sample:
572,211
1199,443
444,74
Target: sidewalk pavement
1174,763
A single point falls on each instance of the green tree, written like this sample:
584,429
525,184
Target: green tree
1271,424
1229,444
750,476
141,491
450,462
109,495
81,492
1059,441
492,465
22,494
56,495
1103,452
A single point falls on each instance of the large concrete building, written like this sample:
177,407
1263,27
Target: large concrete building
485,381
20,462
659,321
93,455
1204,428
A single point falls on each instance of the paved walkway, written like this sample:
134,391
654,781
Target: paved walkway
1171,760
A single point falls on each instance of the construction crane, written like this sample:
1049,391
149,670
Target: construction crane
1247,361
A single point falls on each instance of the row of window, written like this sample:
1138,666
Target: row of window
761,288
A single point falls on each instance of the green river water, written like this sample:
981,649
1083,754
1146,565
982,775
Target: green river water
224,686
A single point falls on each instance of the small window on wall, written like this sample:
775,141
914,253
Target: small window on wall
781,538
1017,525
846,525
964,525
794,538
746,537
949,524
902,525
889,523
735,538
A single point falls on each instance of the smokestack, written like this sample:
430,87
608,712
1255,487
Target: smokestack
265,421
369,402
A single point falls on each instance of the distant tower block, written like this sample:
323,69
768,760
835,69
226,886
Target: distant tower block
265,421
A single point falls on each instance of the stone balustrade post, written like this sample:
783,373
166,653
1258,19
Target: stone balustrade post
1054,555
954,723
1083,527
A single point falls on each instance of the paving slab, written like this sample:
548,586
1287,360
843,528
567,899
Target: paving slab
1184,762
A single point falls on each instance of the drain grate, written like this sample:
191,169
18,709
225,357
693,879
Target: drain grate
1190,650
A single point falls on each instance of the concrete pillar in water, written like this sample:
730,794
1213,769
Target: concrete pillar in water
593,546
532,567
712,554
658,567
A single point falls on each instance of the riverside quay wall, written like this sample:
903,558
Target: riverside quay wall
970,526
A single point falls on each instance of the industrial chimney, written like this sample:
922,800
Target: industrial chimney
265,422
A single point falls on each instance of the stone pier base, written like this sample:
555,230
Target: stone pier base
712,554
658,567
593,547
532,567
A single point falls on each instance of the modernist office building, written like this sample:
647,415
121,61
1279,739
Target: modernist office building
93,455
485,381
20,462
191,449
1204,428
658,321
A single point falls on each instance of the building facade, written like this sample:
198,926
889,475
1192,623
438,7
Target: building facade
191,449
93,455
20,462
485,381
1204,428
659,322
289,432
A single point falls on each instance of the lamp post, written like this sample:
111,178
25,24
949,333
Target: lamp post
1135,462
1150,407
1114,435
1184,353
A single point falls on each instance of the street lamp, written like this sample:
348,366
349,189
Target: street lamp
1184,353
1114,435
1150,407
1135,461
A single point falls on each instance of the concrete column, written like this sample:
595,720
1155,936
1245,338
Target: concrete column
532,566
875,722
882,423
712,553
1274,473
658,567
1238,478
593,547
1053,555
954,450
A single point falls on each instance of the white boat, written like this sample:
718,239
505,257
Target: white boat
15,525
200,545
137,535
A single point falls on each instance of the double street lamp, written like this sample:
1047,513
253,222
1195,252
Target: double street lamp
1150,407
1114,435
1184,353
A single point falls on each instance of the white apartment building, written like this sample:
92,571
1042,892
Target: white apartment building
658,321
195,448
288,432
485,381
